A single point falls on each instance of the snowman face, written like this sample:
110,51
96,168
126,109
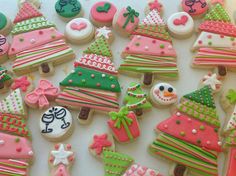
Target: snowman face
164,94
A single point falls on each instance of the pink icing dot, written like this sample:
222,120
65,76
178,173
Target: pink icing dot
165,126
113,86
56,146
70,81
200,42
154,41
127,48
209,36
162,52
40,32
222,36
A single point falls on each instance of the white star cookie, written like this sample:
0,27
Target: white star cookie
213,81
61,155
105,32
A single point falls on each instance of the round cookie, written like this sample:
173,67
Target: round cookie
4,46
36,3
106,32
5,24
56,123
195,8
79,30
163,94
153,4
68,9
102,13
180,25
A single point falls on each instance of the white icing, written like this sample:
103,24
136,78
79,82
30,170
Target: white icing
231,125
182,29
77,35
208,39
103,31
153,18
59,121
163,97
61,155
211,80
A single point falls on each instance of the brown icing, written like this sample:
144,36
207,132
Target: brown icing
179,170
148,77
84,113
45,68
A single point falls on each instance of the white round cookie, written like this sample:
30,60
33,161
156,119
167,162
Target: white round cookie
36,3
180,25
163,94
56,123
79,31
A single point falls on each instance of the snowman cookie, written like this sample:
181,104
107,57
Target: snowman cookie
102,13
5,24
56,124
105,32
180,25
4,47
163,94
195,8
79,31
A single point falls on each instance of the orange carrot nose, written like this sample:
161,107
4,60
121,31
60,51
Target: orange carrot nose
168,94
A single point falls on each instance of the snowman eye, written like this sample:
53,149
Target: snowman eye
161,88
170,89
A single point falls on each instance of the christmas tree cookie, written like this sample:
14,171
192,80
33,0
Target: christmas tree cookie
93,84
136,99
190,136
150,51
36,44
5,80
216,46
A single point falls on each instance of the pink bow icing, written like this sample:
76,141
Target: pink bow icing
42,94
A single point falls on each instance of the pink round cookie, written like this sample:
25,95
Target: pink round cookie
195,8
4,46
102,13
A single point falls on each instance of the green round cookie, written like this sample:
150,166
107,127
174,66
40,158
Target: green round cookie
3,21
68,8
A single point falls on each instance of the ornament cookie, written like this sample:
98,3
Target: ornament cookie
4,47
5,80
180,25
102,13
154,5
24,83
150,51
79,31
68,9
137,169
195,8
136,100
124,125
5,24
92,84
61,159
163,94
100,142
105,32
190,136
125,21
40,97
36,3
213,80
36,44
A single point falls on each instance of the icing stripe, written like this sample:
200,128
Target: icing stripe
9,167
100,100
184,153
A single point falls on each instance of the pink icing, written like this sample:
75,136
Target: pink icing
138,170
182,21
78,26
99,142
155,5
61,170
42,94
13,166
191,130
4,45
231,171
148,46
195,8
120,133
121,21
103,17
33,39
21,83
15,147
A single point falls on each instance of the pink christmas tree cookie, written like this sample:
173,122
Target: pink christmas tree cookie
61,160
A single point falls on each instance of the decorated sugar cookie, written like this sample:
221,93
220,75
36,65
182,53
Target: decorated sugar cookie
102,13
137,169
40,97
100,142
195,8
61,159
136,99
4,46
125,21
24,83
5,80
213,80
36,3
68,9
180,25
79,30
154,5
105,32
5,24
56,123
163,94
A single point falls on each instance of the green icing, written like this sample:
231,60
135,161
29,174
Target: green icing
203,96
136,98
230,140
3,21
130,16
231,96
88,78
115,163
104,8
100,47
68,9
218,13
31,25
3,75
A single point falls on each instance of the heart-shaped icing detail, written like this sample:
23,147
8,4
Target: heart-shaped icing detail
78,26
182,21
105,8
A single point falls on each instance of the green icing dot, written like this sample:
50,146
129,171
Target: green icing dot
162,46
3,21
210,43
199,141
232,38
68,9
17,140
182,133
202,127
178,122
216,130
137,44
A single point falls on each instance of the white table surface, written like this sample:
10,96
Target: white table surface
85,164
